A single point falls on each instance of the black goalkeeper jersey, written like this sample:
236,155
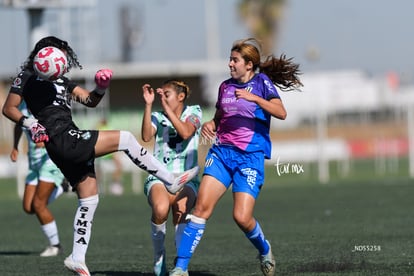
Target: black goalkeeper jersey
50,102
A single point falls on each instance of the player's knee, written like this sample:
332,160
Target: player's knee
241,220
27,208
159,219
179,213
202,212
38,205
160,212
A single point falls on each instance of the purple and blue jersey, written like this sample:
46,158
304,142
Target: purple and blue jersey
242,123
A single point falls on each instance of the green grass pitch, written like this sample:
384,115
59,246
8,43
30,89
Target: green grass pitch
344,227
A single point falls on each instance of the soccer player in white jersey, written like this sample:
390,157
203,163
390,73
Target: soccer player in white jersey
176,131
43,185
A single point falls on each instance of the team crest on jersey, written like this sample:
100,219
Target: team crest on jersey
228,90
17,82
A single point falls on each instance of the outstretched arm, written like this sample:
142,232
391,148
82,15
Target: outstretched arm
92,98
147,130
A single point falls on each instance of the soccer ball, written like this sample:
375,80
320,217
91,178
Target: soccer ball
50,63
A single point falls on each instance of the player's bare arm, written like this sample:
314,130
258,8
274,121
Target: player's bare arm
83,96
185,129
274,106
11,107
91,99
147,130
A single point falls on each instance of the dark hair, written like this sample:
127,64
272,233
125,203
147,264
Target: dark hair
281,71
179,86
55,42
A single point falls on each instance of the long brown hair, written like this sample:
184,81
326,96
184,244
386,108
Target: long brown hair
55,42
281,71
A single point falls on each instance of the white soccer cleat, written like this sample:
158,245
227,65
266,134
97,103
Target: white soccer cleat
51,251
178,271
267,262
181,180
160,267
77,267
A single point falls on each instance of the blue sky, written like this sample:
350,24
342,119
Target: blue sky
375,36
372,35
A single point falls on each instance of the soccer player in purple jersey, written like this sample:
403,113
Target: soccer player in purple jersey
241,126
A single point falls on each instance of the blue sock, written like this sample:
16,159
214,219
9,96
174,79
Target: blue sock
257,238
190,238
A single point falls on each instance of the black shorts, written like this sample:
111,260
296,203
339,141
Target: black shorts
73,151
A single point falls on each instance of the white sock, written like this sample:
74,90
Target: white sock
179,229
158,236
55,194
142,158
82,225
51,232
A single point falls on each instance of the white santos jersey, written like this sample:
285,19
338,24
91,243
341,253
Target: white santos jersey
175,152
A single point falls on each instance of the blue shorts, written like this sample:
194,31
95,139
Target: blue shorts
230,165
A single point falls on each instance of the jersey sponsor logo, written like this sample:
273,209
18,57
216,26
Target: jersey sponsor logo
228,100
171,156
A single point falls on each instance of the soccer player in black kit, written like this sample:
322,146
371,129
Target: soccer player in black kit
74,150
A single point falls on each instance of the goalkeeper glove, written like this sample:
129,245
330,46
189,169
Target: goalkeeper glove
38,132
102,79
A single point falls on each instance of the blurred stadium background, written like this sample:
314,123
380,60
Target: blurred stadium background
340,177
343,115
